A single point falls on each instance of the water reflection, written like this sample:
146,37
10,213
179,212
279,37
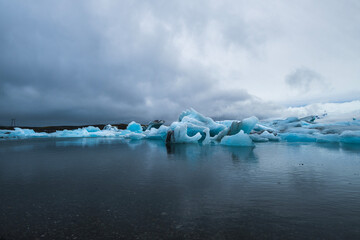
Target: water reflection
195,152
355,148
86,142
338,146
90,186
239,154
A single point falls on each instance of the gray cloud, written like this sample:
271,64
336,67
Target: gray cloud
65,62
303,79
70,62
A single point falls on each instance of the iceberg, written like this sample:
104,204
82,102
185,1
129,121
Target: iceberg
193,127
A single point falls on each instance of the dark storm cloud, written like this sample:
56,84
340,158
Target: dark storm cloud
66,62
69,62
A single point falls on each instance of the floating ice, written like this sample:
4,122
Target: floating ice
155,124
248,124
81,132
110,128
239,139
178,134
326,138
193,127
92,129
159,133
134,127
259,128
269,136
264,137
226,123
21,133
197,120
258,138
350,137
298,137
134,136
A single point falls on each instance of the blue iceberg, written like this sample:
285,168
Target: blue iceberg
240,139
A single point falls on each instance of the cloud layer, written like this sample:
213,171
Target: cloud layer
304,80
67,62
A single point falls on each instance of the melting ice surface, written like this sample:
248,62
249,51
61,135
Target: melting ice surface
193,127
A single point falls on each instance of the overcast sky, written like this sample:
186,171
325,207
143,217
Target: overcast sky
72,62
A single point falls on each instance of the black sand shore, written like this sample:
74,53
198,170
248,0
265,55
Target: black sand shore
51,129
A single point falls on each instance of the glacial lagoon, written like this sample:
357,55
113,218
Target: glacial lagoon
114,188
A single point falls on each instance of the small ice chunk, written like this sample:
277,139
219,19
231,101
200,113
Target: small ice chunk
159,133
269,136
350,137
264,137
240,139
325,138
134,127
297,137
134,136
258,138
302,130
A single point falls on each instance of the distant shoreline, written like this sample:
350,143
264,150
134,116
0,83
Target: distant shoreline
51,129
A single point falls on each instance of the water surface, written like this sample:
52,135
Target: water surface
111,188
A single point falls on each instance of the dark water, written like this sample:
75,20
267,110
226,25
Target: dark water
111,189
